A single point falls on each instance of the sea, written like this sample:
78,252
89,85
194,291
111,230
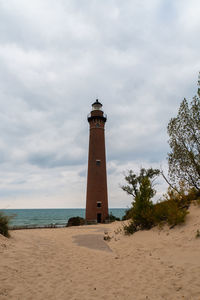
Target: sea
49,217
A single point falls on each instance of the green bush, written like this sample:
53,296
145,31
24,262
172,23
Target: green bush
128,214
176,216
193,194
4,222
76,221
130,228
181,196
142,210
112,218
145,217
170,212
196,197
174,208
141,187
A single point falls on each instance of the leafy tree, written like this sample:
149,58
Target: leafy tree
141,188
135,181
172,210
184,140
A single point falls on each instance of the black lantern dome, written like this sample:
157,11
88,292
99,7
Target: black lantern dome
96,105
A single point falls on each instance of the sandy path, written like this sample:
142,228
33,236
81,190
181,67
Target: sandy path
75,263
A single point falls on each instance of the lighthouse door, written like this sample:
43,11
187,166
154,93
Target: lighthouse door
98,218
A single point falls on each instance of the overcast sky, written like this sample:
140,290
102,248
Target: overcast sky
140,58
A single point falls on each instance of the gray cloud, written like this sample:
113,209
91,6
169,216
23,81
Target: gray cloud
139,58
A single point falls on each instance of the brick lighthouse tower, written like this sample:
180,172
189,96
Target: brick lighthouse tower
97,198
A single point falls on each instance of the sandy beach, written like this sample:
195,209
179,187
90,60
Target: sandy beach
76,263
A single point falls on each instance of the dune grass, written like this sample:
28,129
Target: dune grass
4,224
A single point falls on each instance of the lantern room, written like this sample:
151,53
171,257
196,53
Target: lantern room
96,105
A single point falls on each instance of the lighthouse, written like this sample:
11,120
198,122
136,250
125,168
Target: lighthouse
97,197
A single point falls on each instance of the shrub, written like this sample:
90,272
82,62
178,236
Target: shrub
196,197
128,214
181,195
112,218
130,228
4,222
141,187
169,212
76,221
144,214
172,210
142,210
176,215
193,194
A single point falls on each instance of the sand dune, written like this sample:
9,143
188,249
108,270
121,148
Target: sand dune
76,263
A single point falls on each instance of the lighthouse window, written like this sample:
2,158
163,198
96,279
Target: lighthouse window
98,204
98,162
